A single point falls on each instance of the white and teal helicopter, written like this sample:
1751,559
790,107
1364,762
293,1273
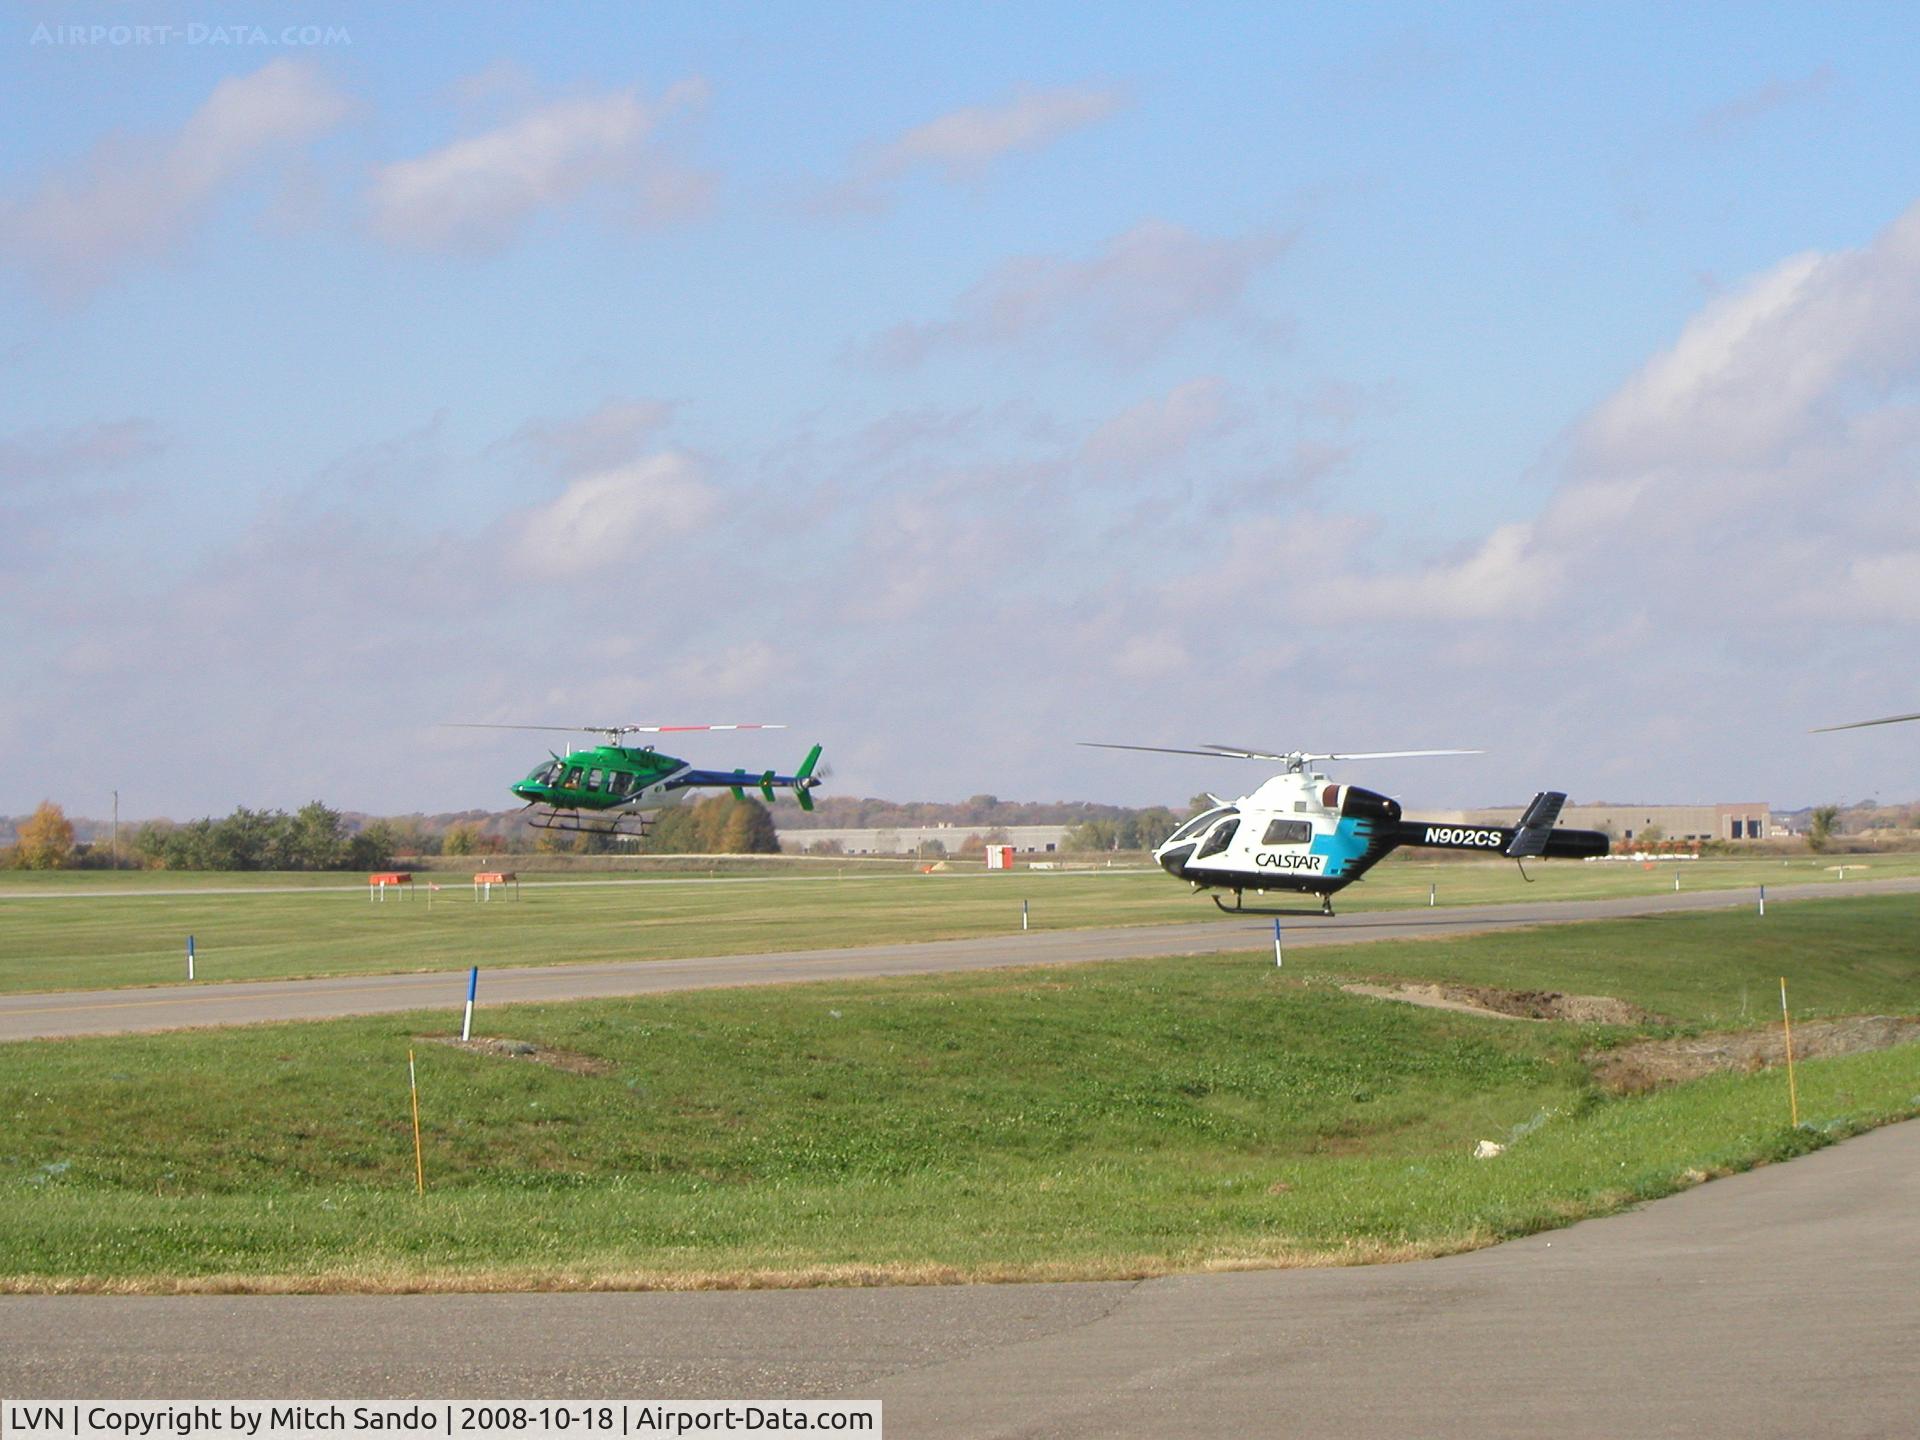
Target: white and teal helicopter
1303,834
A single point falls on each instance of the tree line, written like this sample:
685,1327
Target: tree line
312,838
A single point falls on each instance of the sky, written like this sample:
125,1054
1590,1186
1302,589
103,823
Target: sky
953,383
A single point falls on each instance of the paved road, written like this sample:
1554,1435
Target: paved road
96,1012
1784,1302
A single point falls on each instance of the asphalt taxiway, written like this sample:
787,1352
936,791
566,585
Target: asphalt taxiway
168,1007
1782,1302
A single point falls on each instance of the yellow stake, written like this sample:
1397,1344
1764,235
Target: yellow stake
419,1168
1786,1025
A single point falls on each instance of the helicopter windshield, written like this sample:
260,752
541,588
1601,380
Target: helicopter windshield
1198,823
1221,837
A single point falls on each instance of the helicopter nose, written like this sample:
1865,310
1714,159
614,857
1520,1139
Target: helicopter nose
1174,861
525,792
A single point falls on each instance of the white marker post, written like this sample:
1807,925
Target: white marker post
1763,899
473,984
419,1165
189,957
1433,892
1023,915
1279,955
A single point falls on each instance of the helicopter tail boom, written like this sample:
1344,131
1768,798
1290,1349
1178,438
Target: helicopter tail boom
1533,838
801,782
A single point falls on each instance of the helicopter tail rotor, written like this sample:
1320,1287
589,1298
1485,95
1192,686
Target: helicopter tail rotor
804,779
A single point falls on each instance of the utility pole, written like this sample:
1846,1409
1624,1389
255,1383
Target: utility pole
116,829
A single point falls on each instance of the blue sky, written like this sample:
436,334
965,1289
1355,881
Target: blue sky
953,383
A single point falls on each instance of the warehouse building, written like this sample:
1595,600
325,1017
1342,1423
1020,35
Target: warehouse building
909,839
1644,824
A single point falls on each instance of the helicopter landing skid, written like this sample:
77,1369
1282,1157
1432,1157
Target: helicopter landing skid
1238,908
630,826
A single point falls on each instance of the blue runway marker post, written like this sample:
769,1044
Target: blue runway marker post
1279,955
189,957
473,984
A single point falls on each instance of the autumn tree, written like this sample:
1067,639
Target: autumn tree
718,825
45,841
1819,830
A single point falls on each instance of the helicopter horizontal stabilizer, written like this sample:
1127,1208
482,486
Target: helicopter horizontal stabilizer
1536,825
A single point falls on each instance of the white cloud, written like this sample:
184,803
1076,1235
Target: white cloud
1745,109
626,514
1150,655
54,455
608,435
476,193
963,144
1161,429
1146,286
136,198
1734,540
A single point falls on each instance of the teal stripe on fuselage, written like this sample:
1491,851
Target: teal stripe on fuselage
1345,843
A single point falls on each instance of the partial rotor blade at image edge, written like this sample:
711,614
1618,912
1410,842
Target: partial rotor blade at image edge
1862,724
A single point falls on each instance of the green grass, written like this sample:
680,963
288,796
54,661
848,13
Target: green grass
1120,1119
99,929
1711,970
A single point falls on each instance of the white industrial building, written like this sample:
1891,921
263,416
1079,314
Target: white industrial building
909,839
1744,820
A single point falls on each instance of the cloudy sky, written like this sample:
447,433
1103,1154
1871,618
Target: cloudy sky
952,383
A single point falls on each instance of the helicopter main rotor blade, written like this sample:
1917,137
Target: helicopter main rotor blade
1244,754
1235,752
1862,724
1239,752
1164,750
604,729
1388,754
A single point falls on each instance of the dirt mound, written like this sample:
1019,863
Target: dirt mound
1648,1064
569,1060
1512,1004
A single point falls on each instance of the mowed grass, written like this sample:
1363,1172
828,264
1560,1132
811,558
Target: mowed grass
1112,1120
96,930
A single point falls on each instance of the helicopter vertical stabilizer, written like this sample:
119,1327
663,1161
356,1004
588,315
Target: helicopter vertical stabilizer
1536,825
803,790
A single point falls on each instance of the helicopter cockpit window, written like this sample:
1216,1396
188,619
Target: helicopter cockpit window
1198,823
1287,832
622,782
1221,837
572,781
593,779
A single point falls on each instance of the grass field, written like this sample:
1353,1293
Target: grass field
1109,1120
85,930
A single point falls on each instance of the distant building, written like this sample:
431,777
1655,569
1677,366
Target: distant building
908,839
1748,820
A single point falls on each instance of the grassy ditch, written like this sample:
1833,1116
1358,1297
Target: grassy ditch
1110,1120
